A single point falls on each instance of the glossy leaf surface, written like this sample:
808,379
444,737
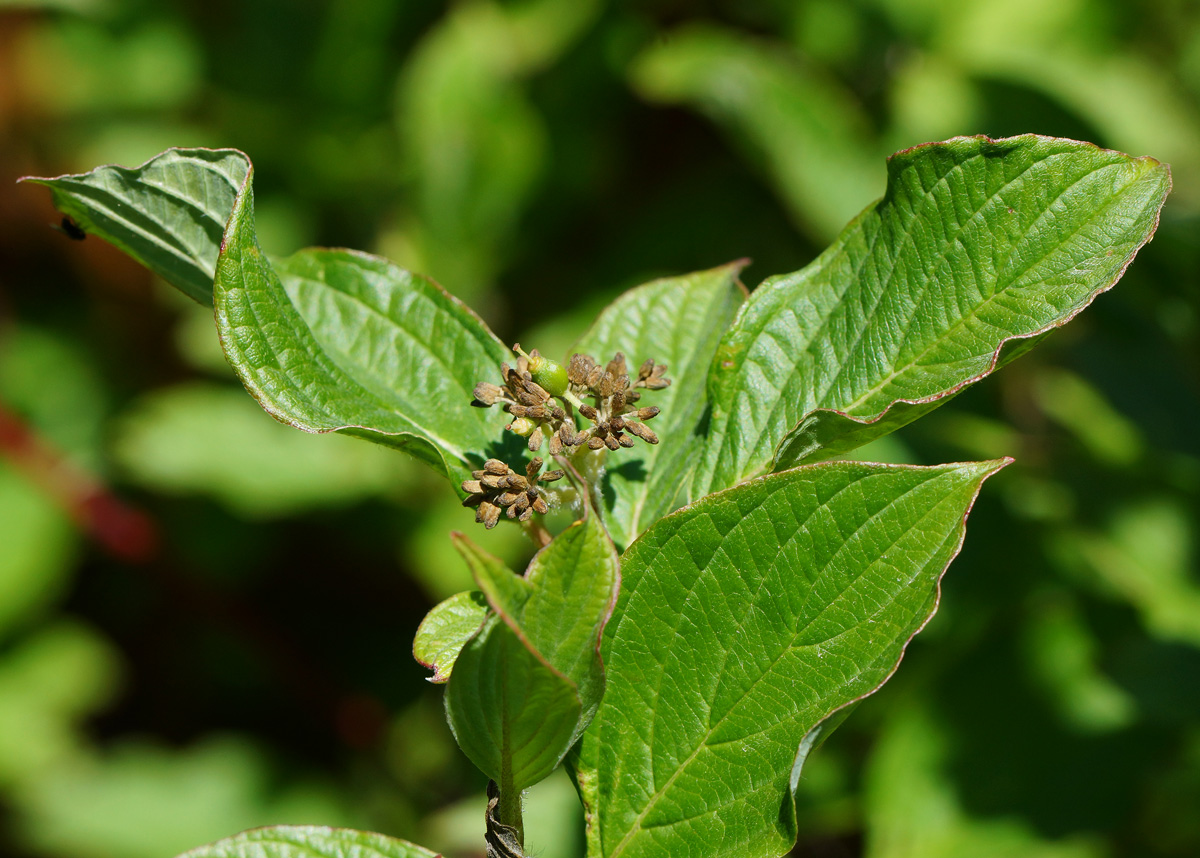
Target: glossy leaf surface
745,621
169,214
325,340
309,841
677,321
337,340
976,243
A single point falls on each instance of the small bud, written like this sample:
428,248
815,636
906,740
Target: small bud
536,437
523,426
611,442
486,394
578,369
595,443
588,411
540,507
551,476
648,412
472,487
642,431
487,514
495,466
625,441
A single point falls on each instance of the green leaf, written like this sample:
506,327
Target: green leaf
552,619
445,631
337,340
977,243
325,340
745,621
169,214
511,712
677,321
803,127
309,841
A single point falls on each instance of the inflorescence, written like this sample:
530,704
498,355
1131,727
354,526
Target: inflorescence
544,400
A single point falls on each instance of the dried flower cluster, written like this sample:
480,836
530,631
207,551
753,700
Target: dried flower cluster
613,413
544,400
497,486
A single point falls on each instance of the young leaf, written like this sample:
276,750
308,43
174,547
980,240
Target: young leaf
976,243
511,712
745,621
169,214
551,620
337,340
308,841
677,321
445,631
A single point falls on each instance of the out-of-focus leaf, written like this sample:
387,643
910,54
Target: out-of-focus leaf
746,620
463,88
38,547
48,684
1107,434
70,413
146,801
445,631
1145,556
801,124
913,812
676,321
167,439
1061,652
295,841
978,243
1055,49
169,214
74,65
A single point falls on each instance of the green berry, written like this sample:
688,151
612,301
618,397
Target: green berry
547,374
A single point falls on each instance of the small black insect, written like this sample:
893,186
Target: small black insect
71,229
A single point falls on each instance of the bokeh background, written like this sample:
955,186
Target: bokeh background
206,617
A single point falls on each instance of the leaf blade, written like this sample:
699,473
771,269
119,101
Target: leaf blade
511,712
692,743
976,244
169,214
445,631
309,841
313,340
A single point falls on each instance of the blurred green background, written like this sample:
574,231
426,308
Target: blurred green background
206,618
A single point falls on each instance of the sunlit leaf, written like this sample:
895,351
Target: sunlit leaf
745,621
169,214
977,243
